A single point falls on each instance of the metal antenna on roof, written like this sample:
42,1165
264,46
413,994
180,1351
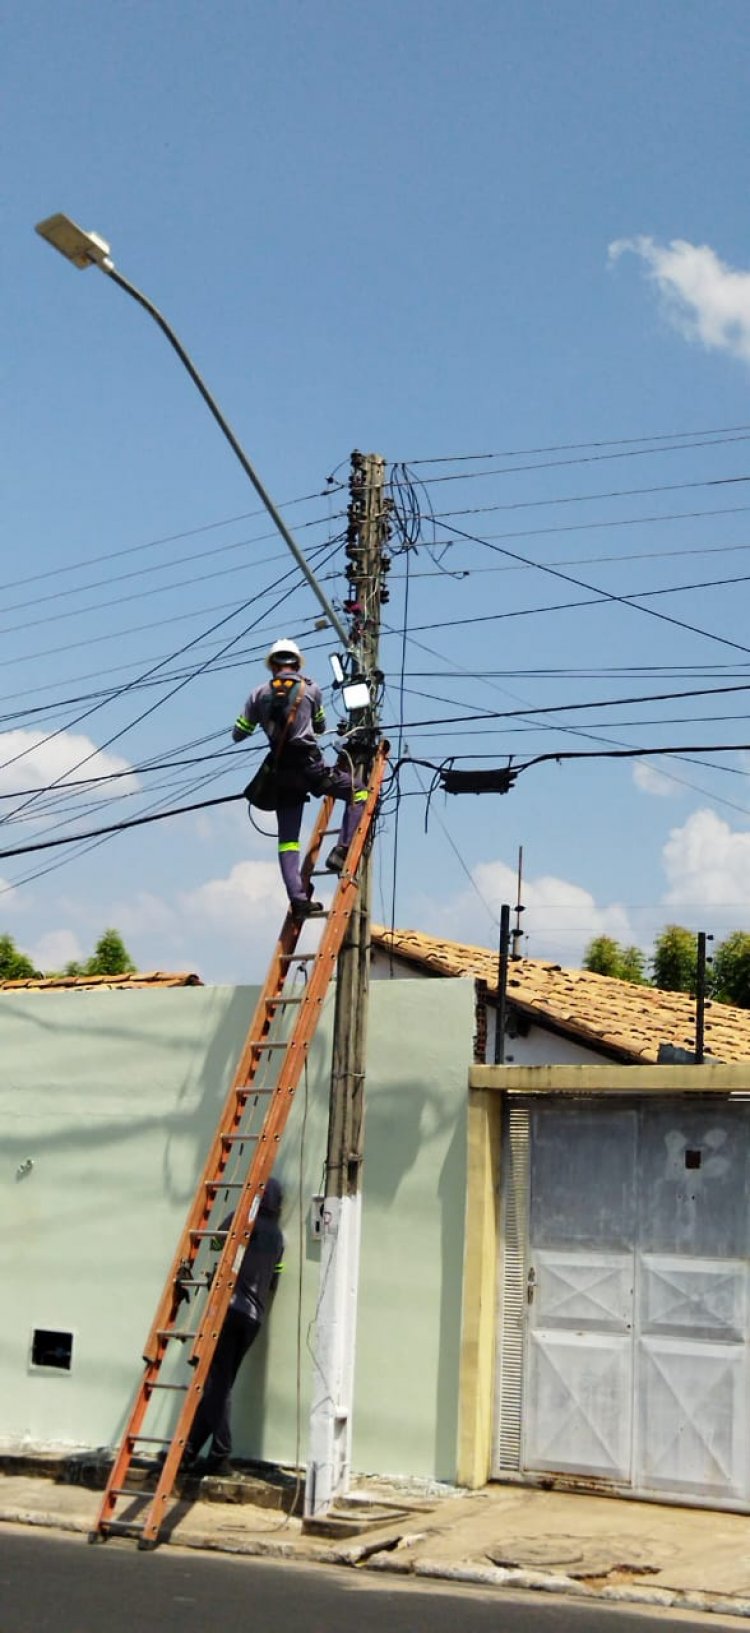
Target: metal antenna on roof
517,935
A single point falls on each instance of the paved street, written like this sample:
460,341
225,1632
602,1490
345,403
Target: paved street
51,1584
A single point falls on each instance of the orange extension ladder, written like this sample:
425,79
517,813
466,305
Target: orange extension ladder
255,1115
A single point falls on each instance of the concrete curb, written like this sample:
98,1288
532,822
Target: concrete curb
502,1576
375,1556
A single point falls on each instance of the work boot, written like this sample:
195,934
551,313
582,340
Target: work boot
218,1466
336,859
303,907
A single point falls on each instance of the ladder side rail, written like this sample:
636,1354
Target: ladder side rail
292,1067
218,1154
124,1454
261,1165
205,1199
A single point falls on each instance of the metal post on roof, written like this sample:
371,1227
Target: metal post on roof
517,931
700,997
502,984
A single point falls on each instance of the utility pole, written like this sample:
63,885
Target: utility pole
329,1461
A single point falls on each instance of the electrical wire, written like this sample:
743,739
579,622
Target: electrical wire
399,749
601,595
200,669
143,572
169,538
572,447
584,459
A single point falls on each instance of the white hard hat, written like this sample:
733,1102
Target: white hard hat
283,649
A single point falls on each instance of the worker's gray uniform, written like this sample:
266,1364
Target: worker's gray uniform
301,770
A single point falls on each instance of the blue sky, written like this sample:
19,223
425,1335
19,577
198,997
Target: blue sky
429,230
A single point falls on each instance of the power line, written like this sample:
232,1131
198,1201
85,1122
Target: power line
571,754
115,736
572,447
602,595
116,776
582,459
168,538
143,572
566,708
607,493
599,526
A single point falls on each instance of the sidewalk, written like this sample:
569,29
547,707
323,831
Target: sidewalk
504,1536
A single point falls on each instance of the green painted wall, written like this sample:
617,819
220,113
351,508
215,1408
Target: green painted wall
113,1096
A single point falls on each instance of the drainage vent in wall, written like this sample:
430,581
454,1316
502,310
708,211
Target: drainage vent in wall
52,1349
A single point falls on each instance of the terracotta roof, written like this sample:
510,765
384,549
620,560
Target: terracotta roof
85,983
628,1021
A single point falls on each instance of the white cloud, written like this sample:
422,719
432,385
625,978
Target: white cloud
143,913
650,781
704,298
707,864
559,919
242,903
32,762
56,949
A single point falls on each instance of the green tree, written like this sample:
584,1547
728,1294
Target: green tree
633,966
14,965
674,959
602,956
110,957
605,956
731,970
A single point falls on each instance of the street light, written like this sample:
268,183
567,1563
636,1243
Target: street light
87,249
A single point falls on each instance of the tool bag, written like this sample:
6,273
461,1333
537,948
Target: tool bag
262,789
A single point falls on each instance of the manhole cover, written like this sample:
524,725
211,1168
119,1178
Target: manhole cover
574,1556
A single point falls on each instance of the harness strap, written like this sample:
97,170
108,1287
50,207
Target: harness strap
288,723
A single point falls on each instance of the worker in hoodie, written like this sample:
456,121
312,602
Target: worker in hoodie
256,1284
289,709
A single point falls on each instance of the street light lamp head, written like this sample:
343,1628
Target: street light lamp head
82,248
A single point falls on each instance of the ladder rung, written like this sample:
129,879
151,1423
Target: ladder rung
166,1332
234,1139
208,1232
150,1440
223,1185
270,1001
260,1048
182,1387
125,1491
300,958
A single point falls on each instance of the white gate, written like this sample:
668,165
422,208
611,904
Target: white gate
625,1276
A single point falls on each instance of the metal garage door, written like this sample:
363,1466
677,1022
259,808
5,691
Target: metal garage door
624,1297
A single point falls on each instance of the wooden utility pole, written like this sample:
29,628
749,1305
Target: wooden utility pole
366,537
335,1330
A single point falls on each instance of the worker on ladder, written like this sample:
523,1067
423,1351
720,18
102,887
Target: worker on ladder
289,708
